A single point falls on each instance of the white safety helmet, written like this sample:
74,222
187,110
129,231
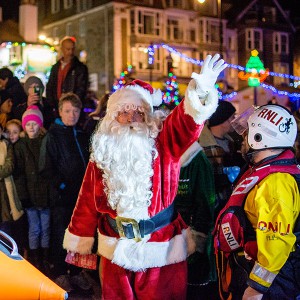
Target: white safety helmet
271,126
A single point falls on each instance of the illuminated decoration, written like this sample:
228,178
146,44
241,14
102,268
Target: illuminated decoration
233,66
124,76
20,71
151,52
255,71
23,58
171,91
281,93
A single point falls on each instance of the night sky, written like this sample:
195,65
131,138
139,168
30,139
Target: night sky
10,9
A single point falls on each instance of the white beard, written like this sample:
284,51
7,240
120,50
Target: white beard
125,154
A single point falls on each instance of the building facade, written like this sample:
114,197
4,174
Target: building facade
112,34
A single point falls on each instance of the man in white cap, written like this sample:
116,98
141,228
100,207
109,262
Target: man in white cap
129,188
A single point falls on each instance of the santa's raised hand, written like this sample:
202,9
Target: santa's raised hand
201,91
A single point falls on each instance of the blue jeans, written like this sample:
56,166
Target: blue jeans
39,227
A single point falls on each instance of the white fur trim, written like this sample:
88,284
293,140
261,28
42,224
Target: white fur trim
154,99
157,97
138,256
78,244
137,213
193,106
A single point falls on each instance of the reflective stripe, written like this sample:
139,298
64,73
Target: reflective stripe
263,273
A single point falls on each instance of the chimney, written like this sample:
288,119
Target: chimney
28,20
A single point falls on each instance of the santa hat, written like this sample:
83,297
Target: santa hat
32,113
147,93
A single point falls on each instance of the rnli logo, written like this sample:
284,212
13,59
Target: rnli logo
245,186
231,241
271,116
274,118
275,227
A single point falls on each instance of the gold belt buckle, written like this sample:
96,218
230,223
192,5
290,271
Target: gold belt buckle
135,227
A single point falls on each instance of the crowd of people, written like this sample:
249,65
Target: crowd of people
196,204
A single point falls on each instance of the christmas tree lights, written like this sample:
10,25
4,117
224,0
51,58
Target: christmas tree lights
123,79
171,92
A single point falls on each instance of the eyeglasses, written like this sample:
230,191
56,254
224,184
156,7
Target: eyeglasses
128,116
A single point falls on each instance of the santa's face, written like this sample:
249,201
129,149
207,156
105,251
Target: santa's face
131,115
130,109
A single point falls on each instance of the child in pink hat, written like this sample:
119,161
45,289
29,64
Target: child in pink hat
33,183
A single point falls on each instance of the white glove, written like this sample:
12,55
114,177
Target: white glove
209,73
252,294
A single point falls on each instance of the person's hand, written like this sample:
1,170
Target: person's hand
252,294
33,99
210,71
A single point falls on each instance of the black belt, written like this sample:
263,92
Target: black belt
132,229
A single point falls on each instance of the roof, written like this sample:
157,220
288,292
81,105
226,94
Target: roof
240,10
9,31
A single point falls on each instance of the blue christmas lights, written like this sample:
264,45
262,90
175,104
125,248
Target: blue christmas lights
234,66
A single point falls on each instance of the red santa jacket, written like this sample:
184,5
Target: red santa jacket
165,246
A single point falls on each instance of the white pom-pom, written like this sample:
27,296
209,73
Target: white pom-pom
156,97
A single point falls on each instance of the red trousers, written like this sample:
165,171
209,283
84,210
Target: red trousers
168,282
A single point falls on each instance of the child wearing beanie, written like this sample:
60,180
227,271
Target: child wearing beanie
32,175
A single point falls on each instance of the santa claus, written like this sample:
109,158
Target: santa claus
130,184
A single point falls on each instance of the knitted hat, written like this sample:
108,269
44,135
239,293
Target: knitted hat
4,96
147,93
31,80
224,111
32,113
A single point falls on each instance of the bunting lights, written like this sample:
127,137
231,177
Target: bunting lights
260,75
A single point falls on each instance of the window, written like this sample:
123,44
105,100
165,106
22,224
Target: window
192,35
55,6
140,58
69,29
175,3
141,2
210,31
181,66
254,39
282,68
173,30
82,27
280,43
15,54
83,5
147,23
55,32
68,4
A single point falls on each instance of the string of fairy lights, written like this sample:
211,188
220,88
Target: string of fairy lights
294,96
